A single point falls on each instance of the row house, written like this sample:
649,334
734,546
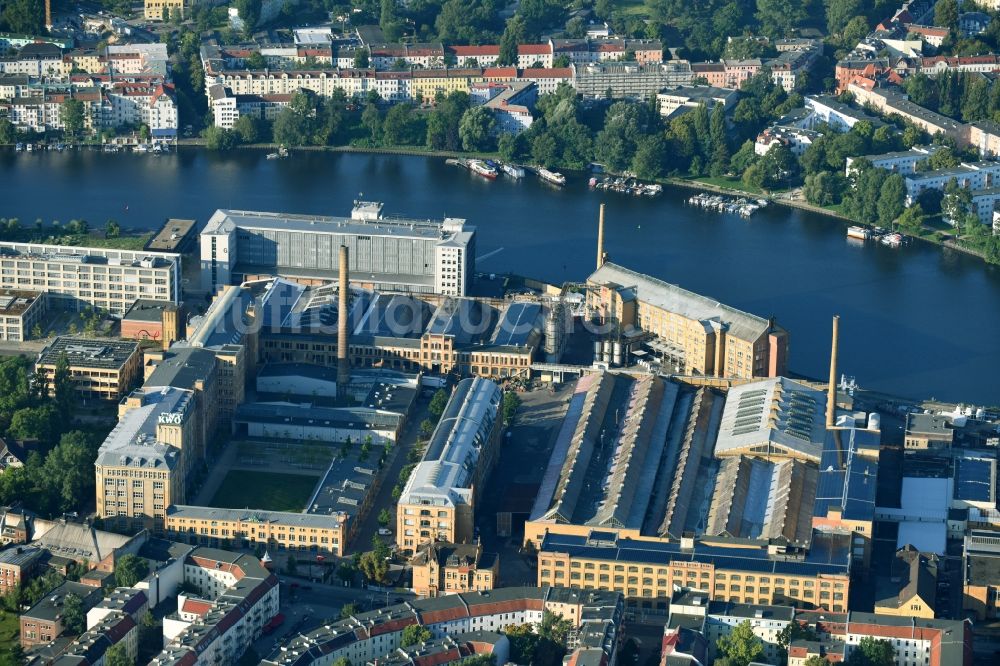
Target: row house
153,106
35,60
789,65
726,73
43,111
981,63
14,85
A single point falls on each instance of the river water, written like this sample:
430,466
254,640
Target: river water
917,321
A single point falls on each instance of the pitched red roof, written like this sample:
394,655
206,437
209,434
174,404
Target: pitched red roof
533,49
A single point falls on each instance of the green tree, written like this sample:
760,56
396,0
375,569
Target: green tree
371,120
912,218
523,641
780,18
793,631
414,634
71,113
398,128
246,129
349,609
855,30
112,229
946,14
117,656
741,646
130,569
839,14
8,133
384,517
74,616
341,661
389,21
476,129
374,568
66,473
513,34
361,58
345,572
955,203
23,16
63,388
511,403
438,402
816,660
872,652
426,428
554,627
510,147
41,423
719,142
255,61
891,199
219,138
824,188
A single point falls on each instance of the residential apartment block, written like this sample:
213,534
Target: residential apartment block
596,618
236,598
450,568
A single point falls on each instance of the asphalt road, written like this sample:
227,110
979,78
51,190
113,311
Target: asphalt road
383,500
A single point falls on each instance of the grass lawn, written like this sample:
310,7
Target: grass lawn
264,490
9,628
731,183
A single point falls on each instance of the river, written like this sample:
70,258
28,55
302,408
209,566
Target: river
916,321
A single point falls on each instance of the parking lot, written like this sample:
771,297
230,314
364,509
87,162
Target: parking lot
525,452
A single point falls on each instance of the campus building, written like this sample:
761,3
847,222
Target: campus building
248,528
726,569
79,278
701,335
142,466
395,254
438,501
102,369
478,337
20,312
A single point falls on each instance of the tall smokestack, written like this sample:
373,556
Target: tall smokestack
343,363
831,398
48,14
600,238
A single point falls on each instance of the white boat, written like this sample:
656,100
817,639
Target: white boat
483,169
892,240
513,170
551,176
860,233
272,156
30,147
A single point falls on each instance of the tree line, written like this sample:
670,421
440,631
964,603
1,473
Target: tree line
58,475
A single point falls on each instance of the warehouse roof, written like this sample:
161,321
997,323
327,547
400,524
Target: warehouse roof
453,451
672,298
779,414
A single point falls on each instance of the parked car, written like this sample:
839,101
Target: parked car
384,531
